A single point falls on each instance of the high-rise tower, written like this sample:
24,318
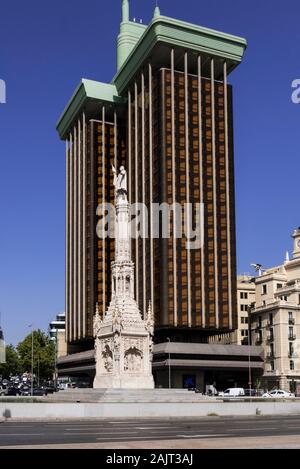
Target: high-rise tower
167,115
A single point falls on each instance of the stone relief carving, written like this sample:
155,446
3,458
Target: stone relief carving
107,356
133,360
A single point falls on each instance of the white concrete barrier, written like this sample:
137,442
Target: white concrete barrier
48,411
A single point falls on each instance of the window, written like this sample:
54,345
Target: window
264,289
244,295
291,319
284,298
279,285
244,308
291,349
292,365
299,300
259,322
271,319
245,332
291,333
272,365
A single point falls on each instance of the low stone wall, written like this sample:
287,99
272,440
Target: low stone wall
47,411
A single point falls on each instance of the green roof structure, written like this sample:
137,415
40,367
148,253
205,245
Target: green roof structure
137,43
86,93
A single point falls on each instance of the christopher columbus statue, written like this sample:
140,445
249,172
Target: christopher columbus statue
120,183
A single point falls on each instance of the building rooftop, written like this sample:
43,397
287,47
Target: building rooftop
154,42
163,33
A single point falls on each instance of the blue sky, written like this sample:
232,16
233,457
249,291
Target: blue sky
47,47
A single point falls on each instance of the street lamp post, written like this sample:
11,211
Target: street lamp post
249,345
250,377
31,358
169,340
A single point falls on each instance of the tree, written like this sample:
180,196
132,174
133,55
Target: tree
12,365
43,354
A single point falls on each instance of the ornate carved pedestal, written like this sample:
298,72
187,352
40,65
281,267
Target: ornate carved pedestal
123,348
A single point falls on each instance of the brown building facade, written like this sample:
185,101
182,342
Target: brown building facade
168,118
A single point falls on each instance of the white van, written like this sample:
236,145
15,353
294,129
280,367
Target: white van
232,392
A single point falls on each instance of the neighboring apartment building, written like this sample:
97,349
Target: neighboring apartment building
275,321
245,298
57,332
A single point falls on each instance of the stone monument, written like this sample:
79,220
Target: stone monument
123,339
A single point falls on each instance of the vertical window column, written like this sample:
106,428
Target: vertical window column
84,225
68,226
75,240
151,187
143,195
230,305
174,188
136,178
213,117
103,199
79,254
129,148
187,156
201,182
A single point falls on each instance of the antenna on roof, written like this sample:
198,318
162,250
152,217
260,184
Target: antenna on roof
125,11
156,10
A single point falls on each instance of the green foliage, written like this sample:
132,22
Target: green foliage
43,354
12,365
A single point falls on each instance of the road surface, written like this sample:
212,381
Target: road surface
211,432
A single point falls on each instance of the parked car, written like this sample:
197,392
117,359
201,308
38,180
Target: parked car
2,391
49,389
233,392
278,394
25,391
13,392
39,392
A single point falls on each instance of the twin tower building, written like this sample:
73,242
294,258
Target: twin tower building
167,118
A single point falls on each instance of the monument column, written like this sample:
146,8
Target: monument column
123,340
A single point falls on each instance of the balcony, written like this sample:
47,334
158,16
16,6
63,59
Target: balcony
292,354
292,321
258,342
292,337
